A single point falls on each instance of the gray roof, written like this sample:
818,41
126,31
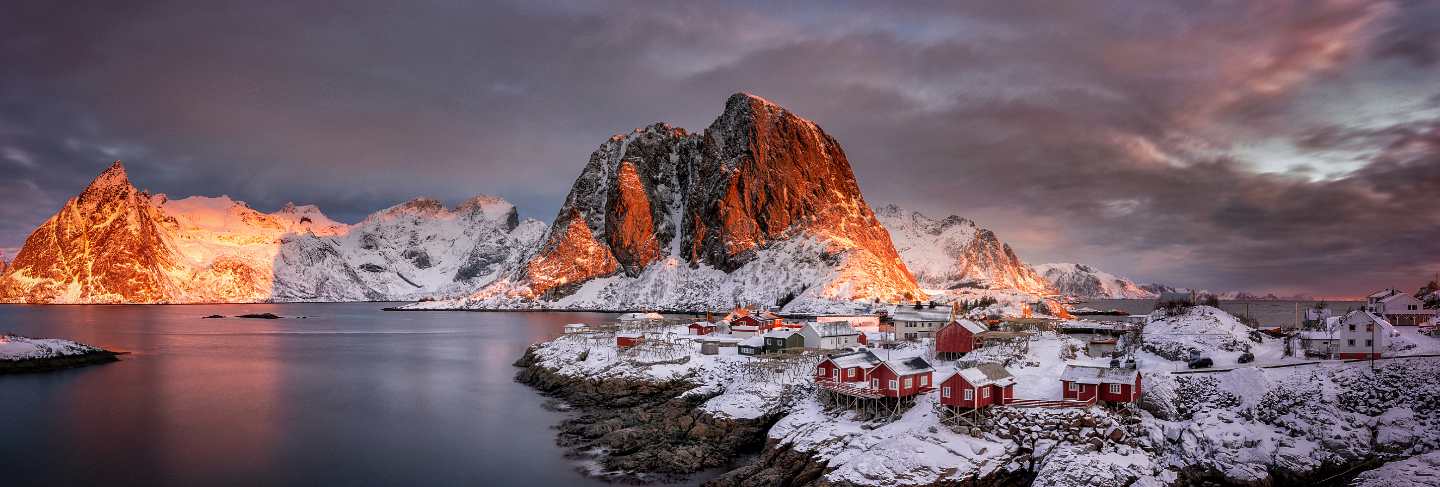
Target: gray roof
909,366
909,313
862,358
1093,374
986,374
833,329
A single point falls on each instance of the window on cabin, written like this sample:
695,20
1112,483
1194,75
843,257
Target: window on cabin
908,383
874,383
985,392
1074,387
850,372
924,380
894,385
1352,327
1411,307
1114,388
945,392
969,395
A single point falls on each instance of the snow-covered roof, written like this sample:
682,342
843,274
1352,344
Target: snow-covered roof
1315,335
780,333
986,374
1393,297
833,329
1090,374
909,313
1360,317
862,358
722,339
970,325
575,325
755,341
628,335
1383,293
909,366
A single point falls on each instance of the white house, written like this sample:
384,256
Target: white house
1358,334
914,324
830,336
1398,308
858,322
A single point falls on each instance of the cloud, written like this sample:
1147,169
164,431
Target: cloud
1110,132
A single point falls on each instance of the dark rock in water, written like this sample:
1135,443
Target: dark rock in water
261,316
211,317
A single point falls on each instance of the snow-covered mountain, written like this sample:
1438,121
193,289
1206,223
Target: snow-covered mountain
116,244
953,253
1083,281
761,208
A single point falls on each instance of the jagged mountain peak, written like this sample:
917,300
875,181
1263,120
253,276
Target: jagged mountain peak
679,220
1086,281
953,252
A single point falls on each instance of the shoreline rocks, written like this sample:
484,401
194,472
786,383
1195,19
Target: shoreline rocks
641,431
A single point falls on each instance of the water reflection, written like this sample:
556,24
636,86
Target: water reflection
350,395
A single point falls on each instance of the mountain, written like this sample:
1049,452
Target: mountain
116,244
1083,281
762,208
953,253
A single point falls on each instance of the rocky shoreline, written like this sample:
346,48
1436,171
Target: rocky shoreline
640,431
47,364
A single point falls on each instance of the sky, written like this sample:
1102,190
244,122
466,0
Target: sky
1280,146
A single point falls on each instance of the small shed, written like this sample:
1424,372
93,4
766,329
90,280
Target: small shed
754,345
782,340
1100,347
902,378
978,387
627,340
702,328
846,367
1092,383
957,338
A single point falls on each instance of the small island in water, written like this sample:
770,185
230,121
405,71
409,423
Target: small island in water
20,354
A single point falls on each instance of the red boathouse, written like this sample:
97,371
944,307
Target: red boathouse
902,378
846,367
978,387
957,338
1094,383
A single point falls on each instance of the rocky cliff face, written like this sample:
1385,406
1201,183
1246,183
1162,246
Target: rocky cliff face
1083,281
762,208
115,244
954,253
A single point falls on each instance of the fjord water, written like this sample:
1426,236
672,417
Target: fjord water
350,395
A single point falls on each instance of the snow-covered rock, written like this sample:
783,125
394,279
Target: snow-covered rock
762,208
116,244
953,253
14,348
1416,471
1083,281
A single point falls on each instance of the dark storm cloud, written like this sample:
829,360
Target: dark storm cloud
1094,131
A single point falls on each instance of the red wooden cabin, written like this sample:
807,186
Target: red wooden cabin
1094,383
702,328
978,387
902,378
958,337
846,367
627,340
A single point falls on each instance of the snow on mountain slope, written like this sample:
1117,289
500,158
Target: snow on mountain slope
409,251
762,208
115,244
954,253
1083,281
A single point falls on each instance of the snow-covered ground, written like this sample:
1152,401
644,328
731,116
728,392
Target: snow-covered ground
1243,424
1417,471
13,348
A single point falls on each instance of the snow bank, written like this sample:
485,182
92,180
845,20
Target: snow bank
14,348
1418,471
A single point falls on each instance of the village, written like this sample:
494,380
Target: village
980,370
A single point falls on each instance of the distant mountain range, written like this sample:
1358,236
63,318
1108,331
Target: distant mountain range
761,207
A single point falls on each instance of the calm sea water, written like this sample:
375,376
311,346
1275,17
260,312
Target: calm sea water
1268,313
350,396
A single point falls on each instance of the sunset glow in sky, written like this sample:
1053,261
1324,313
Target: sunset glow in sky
1285,146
